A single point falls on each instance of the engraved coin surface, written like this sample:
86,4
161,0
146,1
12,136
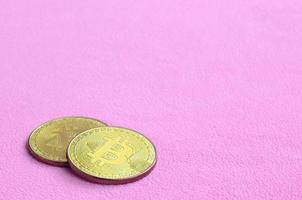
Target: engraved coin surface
111,155
49,142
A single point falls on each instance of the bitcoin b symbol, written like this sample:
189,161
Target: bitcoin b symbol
114,151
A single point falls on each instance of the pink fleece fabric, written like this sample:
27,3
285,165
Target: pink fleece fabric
216,85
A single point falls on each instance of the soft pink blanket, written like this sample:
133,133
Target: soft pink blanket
216,85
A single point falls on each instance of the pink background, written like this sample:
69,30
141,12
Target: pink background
216,85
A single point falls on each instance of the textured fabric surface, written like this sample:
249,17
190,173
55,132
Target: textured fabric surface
216,85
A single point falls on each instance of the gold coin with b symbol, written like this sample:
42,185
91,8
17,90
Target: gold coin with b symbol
49,142
111,155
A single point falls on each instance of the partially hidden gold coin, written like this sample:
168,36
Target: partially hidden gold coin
49,142
111,155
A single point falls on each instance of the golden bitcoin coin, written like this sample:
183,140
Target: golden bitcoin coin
49,142
111,155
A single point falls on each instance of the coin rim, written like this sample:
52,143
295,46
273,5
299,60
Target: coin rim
48,161
108,181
